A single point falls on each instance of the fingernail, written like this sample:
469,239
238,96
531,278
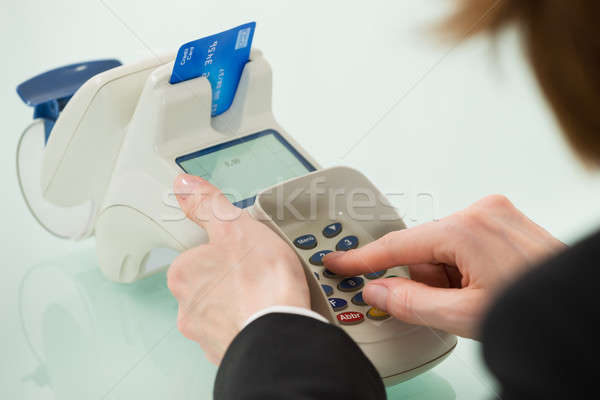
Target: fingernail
186,184
376,295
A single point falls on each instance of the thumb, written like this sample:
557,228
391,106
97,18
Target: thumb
206,205
419,304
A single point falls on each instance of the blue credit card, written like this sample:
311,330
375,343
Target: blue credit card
220,58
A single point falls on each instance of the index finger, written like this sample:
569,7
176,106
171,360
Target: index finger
427,243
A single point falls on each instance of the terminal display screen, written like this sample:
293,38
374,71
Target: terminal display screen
243,167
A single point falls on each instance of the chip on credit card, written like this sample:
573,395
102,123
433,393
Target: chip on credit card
220,58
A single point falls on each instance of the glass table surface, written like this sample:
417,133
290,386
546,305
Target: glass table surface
80,336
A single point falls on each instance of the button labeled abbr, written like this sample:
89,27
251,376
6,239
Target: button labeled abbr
306,242
350,318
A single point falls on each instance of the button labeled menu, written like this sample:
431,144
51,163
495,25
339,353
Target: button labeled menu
306,242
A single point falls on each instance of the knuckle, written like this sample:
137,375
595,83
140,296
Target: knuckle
181,264
481,214
472,219
186,324
496,202
178,266
174,278
180,271
183,324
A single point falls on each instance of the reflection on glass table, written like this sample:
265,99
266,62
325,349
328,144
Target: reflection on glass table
96,339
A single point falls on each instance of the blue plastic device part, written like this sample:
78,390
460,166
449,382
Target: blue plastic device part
49,92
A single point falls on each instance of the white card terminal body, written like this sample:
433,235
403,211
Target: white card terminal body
127,133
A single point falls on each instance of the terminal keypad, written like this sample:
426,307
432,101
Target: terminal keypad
344,293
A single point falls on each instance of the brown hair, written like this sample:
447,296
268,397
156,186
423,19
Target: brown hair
562,41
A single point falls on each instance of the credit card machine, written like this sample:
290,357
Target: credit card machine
340,209
127,133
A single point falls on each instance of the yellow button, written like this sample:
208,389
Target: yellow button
377,314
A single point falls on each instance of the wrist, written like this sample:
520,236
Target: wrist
285,309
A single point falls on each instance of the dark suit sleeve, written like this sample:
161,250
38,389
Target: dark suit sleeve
292,357
540,338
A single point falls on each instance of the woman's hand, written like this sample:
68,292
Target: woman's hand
245,268
457,264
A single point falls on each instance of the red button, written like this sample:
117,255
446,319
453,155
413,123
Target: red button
350,318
